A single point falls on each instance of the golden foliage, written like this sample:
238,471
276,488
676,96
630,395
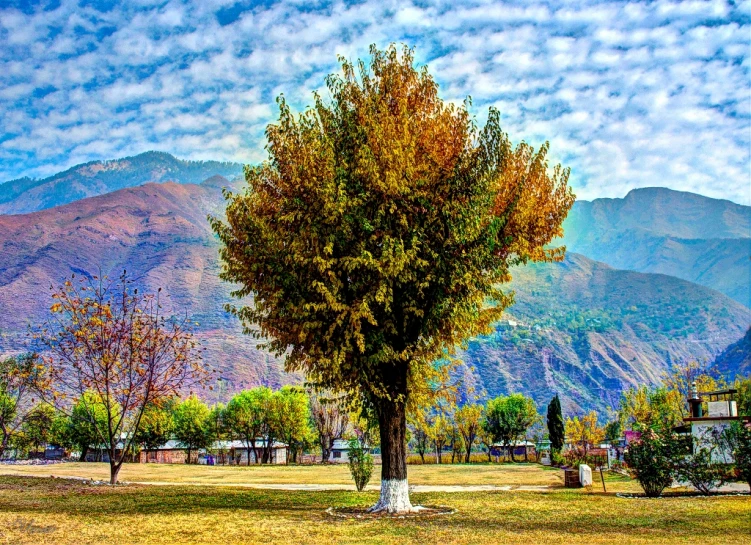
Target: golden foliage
376,237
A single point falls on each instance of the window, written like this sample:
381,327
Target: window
337,454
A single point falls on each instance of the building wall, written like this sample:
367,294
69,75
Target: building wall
167,456
704,434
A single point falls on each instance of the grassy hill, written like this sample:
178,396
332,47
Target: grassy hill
98,177
578,327
707,241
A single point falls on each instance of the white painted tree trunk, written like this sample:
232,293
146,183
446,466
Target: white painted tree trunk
394,498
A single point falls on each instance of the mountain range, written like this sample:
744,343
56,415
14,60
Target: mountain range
26,195
658,230
584,328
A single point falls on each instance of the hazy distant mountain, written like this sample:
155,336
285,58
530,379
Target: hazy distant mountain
707,241
579,327
99,177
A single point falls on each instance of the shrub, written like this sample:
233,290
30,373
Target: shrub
701,471
360,464
651,461
556,458
739,440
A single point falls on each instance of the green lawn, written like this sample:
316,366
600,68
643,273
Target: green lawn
54,511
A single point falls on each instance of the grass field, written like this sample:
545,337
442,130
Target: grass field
62,512
480,474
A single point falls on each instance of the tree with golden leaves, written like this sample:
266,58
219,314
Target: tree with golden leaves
379,234
107,342
584,433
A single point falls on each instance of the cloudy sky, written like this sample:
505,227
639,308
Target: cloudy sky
629,94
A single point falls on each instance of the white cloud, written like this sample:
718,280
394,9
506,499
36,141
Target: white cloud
629,94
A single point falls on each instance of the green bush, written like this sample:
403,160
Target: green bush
651,461
360,464
703,473
556,458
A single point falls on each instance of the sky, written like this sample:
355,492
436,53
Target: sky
629,94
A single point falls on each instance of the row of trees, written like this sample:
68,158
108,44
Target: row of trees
258,417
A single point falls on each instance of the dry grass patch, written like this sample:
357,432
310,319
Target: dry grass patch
51,511
459,474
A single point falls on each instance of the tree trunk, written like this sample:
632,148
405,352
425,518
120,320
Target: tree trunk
392,422
114,470
84,452
248,462
511,450
4,444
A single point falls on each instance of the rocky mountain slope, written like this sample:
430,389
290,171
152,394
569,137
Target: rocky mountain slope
578,327
588,331
736,359
98,177
707,241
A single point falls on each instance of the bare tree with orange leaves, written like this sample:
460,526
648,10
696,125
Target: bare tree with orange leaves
106,341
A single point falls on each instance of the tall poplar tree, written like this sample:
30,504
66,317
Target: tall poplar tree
378,235
556,429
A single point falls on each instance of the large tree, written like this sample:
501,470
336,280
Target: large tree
378,235
107,338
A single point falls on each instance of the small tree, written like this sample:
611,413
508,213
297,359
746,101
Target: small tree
155,429
330,420
556,427
738,437
439,431
468,420
246,417
743,397
293,418
584,433
88,416
643,407
456,442
509,417
217,426
107,338
651,461
21,377
420,431
37,427
360,463
612,431
699,469
191,425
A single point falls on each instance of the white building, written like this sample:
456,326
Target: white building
707,428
